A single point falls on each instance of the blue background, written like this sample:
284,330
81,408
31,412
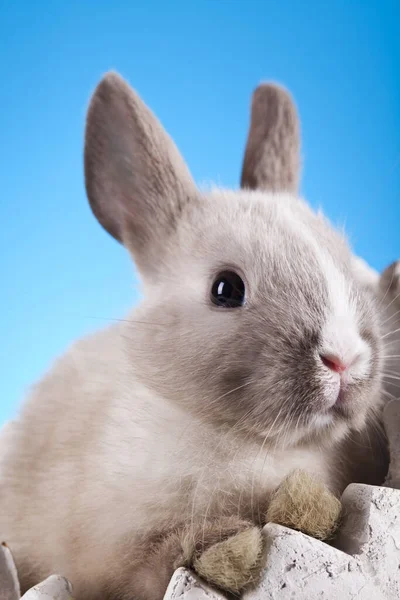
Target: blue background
196,64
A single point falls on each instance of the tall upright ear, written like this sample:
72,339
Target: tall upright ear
136,181
272,156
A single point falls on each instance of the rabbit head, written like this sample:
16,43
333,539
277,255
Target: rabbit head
251,317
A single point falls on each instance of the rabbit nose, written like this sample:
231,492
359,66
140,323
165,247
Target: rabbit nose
335,363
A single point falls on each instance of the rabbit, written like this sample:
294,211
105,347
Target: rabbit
255,351
389,299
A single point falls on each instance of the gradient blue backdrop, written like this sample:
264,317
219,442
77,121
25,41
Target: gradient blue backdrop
196,64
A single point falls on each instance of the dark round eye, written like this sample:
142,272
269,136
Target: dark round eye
228,290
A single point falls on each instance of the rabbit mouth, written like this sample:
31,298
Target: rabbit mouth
350,407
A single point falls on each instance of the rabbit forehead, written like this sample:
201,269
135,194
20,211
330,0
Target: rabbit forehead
263,232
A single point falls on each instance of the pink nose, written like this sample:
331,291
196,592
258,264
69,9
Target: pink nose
334,363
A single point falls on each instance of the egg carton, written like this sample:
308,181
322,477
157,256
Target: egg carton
364,564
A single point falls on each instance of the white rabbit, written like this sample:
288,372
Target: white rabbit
256,350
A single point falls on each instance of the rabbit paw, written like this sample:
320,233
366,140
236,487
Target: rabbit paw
228,553
233,564
304,503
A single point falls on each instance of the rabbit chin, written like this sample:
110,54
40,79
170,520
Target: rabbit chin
337,422
324,428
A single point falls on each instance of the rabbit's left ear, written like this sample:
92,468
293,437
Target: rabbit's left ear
137,183
272,156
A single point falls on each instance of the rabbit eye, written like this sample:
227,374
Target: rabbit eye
228,290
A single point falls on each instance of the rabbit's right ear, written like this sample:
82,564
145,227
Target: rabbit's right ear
136,181
272,156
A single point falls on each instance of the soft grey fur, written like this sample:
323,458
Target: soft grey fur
185,414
